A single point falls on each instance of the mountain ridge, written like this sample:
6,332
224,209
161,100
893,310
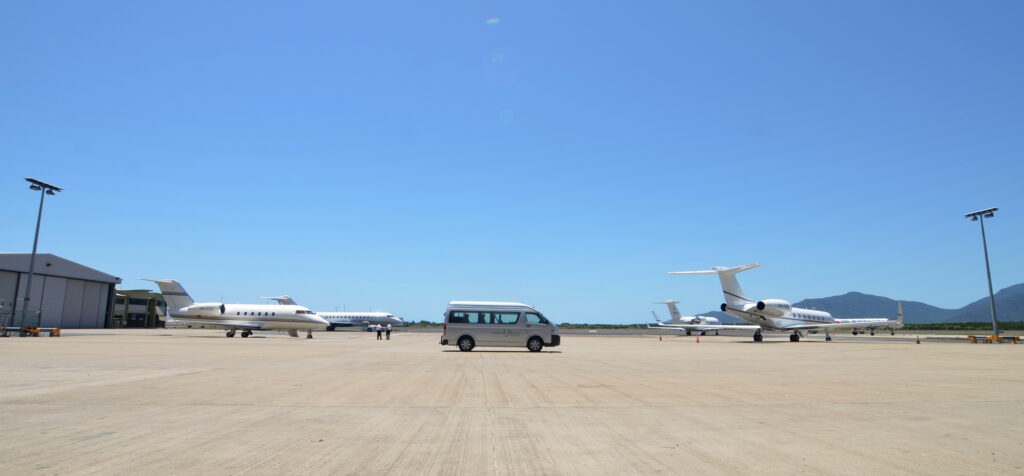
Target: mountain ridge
1009,307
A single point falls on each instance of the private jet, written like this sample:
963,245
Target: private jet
350,319
691,324
234,317
779,315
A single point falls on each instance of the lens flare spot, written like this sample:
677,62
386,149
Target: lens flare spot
493,21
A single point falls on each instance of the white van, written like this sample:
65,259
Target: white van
468,324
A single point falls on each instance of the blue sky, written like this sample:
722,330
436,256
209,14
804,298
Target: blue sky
398,155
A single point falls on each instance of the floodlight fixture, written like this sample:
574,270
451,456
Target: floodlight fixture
34,187
989,212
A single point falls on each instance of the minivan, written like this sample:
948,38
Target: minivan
468,324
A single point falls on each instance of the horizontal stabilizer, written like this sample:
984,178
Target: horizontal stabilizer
720,270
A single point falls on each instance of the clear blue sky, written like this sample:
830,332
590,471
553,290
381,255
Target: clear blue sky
398,155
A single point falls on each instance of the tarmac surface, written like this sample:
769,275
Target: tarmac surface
190,401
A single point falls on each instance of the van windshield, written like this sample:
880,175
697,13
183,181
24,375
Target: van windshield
535,318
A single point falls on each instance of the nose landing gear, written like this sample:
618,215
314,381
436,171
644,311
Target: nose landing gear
758,337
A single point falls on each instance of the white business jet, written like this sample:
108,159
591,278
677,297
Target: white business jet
690,324
233,317
350,319
780,315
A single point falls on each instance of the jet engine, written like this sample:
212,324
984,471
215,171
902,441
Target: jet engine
774,307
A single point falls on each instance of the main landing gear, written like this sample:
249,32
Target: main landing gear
758,337
246,333
230,333
794,337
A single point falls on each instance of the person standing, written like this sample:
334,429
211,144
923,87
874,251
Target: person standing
379,329
389,331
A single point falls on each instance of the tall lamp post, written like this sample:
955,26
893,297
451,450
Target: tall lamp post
980,216
44,190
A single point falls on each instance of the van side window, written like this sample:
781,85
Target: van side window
535,318
505,317
483,317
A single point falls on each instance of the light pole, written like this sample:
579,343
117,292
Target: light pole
44,190
980,216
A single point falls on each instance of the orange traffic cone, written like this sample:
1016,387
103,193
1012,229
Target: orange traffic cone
698,339
918,339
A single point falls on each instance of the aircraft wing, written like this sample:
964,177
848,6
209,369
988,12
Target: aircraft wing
703,327
222,324
846,325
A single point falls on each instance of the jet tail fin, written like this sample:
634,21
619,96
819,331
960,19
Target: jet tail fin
656,318
734,296
899,312
285,300
673,311
174,294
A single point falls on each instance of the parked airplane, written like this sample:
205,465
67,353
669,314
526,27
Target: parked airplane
780,315
347,319
701,324
247,317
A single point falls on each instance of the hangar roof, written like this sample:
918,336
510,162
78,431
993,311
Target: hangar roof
53,265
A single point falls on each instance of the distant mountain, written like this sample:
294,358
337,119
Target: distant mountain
1009,307
854,304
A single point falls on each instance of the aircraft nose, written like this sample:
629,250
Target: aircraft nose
319,320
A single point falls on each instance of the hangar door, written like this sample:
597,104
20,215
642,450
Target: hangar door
8,286
53,301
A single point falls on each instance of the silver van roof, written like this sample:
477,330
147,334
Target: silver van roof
488,304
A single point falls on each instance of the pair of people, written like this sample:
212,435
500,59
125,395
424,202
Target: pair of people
380,329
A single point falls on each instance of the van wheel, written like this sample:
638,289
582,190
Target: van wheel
466,343
535,344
